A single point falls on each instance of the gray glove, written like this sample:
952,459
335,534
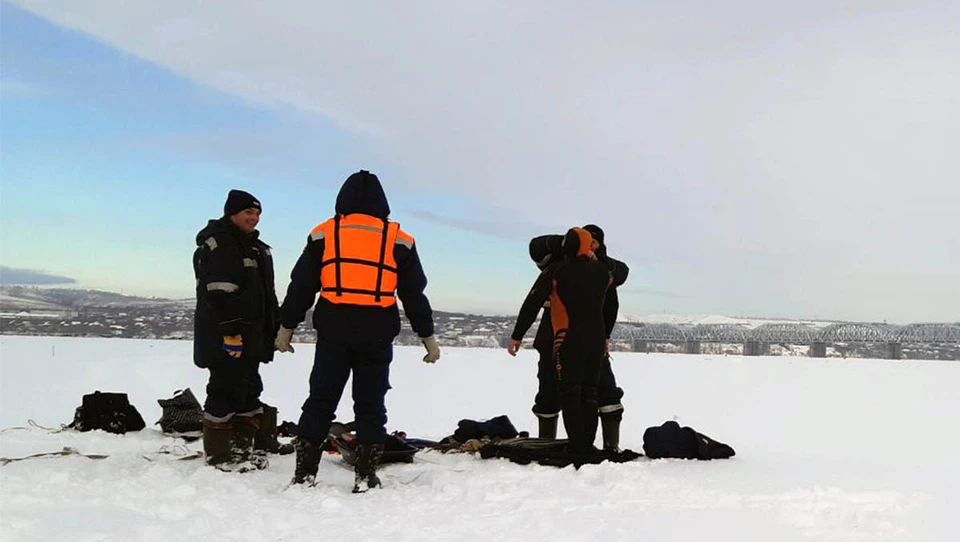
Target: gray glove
282,342
433,349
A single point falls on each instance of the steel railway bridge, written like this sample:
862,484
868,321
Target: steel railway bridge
757,340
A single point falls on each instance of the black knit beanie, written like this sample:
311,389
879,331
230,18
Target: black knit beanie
238,200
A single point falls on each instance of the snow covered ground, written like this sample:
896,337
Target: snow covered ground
826,450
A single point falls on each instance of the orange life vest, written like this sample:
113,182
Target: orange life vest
358,267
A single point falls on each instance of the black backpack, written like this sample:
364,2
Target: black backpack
111,412
671,440
498,427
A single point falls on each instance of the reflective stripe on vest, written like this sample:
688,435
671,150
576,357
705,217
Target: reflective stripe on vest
358,267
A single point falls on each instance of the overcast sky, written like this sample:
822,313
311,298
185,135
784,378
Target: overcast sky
745,158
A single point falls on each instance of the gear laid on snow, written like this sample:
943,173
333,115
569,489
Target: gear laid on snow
395,448
67,450
111,412
551,452
497,427
182,415
671,440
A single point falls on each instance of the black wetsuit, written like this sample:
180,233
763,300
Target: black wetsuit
544,251
576,289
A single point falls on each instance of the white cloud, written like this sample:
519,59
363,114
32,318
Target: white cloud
746,150
14,88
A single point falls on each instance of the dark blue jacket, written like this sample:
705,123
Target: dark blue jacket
235,294
361,193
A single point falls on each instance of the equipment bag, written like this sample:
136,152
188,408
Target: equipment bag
182,415
111,412
671,440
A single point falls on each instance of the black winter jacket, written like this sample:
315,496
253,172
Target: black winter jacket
235,294
579,285
361,193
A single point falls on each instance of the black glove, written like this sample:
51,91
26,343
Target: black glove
601,253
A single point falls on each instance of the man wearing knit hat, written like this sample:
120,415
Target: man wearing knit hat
235,325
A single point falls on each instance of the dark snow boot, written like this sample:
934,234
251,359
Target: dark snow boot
610,427
244,457
309,453
217,442
368,459
266,437
548,427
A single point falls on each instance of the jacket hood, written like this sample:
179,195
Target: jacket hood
363,193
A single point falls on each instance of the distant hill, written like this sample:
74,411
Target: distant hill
26,310
31,298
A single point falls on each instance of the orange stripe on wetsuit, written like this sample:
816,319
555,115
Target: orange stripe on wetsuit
558,310
358,266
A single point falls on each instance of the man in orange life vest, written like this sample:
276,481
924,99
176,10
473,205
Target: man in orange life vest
359,262
576,288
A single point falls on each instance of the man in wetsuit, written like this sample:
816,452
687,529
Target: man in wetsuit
546,250
576,288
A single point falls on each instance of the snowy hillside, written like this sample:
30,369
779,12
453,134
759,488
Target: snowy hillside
826,450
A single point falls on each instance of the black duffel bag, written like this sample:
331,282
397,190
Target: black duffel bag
111,412
671,440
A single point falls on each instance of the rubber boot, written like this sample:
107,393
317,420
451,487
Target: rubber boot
245,429
610,427
548,427
266,437
368,460
217,442
309,453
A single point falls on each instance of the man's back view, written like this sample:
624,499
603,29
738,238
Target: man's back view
360,262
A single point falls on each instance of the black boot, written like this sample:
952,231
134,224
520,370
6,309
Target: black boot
309,453
217,442
244,429
548,427
610,426
266,437
244,457
368,459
